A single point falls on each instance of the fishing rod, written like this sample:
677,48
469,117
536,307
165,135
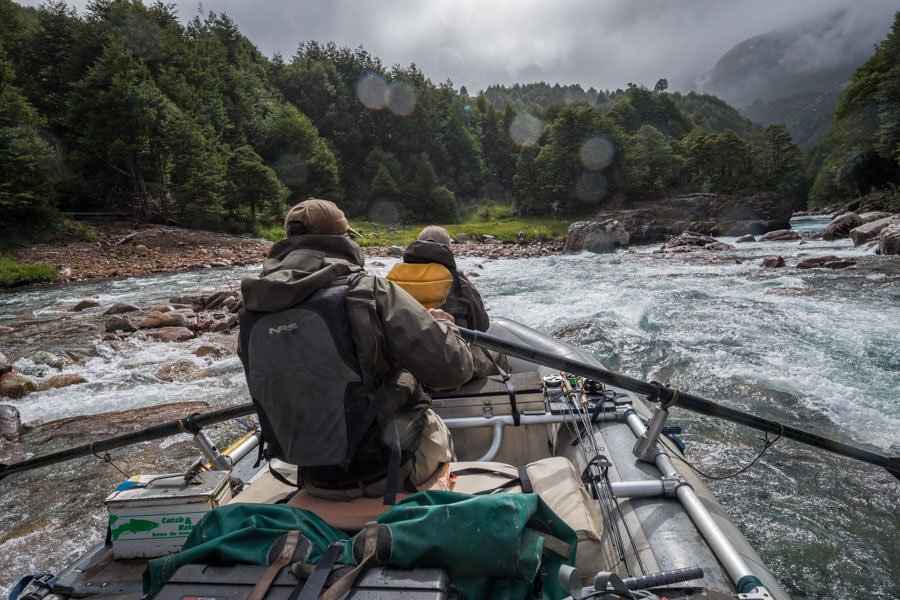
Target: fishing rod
190,424
657,392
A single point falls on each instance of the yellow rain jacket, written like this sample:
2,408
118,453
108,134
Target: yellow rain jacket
429,283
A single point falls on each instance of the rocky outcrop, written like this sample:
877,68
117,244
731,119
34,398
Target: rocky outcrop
840,227
870,230
599,237
709,214
889,239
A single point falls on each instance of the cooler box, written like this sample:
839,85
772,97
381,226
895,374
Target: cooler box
488,397
202,582
152,515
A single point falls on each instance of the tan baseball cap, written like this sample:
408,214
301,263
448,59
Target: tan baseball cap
321,217
434,233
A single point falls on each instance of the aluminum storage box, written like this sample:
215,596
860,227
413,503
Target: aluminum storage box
487,398
152,515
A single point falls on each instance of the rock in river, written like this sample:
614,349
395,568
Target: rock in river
13,385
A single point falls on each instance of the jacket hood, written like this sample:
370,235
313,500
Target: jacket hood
422,251
298,266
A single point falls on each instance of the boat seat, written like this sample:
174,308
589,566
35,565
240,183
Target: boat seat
347,515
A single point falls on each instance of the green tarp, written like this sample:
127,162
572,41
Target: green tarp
488,545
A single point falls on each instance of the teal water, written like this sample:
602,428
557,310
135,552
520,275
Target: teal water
817,349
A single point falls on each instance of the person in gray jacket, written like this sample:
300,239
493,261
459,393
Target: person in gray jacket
390,345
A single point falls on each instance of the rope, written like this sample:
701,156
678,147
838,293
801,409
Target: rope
767,443
107,458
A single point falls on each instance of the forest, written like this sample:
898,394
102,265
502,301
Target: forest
124,110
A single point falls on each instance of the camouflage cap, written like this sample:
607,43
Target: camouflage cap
321,217
433,233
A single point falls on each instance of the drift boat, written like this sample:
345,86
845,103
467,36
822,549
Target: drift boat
596,455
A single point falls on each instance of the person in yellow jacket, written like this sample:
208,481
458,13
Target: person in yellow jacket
431,250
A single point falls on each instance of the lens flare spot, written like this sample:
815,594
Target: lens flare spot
597,153
291,169
401,98
591,187
371,90
384,210
526,129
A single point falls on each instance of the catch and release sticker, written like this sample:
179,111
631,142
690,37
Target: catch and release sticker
152,526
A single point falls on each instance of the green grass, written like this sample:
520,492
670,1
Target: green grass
14,274
376,234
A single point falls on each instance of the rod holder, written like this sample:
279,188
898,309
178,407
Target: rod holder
211,453
645,448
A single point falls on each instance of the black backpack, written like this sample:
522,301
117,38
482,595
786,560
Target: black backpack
314,409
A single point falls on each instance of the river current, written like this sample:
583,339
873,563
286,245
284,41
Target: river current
817,349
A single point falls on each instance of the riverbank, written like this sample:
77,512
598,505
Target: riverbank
125,250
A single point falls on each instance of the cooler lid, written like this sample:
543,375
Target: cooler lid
170,487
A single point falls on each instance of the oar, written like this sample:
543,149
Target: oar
685,400
191,423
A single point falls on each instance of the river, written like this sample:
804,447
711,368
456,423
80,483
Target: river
817,349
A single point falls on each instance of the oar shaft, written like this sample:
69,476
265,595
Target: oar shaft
685,400
150,433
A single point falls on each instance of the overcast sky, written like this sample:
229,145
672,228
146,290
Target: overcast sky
599,43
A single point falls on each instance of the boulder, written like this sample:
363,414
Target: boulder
60,381
870,229
120,308
718,246
42,357
395,251
489,239
83,305
745,238
827,262
155,320
889,239
228,323
874,215
780,235
13,385
772,262
600,237
5,365
212,351
688,238
172,334
225,253
10,423
117,323
181,370
464,238
840,227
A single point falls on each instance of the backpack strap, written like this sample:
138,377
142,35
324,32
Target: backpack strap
282,560
316,581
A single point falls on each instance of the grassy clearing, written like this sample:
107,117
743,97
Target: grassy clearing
377,234
14,274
